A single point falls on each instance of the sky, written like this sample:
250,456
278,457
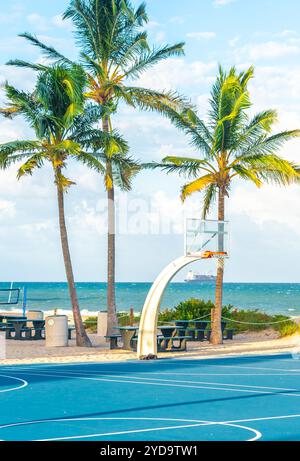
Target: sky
265,223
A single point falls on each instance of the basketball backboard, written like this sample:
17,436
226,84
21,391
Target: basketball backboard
206,237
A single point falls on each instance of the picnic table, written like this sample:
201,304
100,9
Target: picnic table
10,317
15,327
5,322
171,334
127,334
200,330
165,340
197,332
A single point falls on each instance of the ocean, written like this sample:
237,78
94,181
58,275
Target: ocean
268,297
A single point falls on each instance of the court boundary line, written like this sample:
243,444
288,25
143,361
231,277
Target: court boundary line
23,381
162,384
199,423
73,373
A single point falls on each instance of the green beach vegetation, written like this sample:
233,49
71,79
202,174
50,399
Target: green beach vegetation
231,145
241,320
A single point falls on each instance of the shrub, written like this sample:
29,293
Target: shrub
191,309
91,324
255,320
287,329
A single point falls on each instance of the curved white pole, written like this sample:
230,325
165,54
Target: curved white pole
147,340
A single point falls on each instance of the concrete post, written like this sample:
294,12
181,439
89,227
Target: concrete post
102,324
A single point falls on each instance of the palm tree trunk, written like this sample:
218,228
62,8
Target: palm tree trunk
216,314
112,320
82,338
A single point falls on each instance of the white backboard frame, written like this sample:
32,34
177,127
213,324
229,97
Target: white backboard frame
209,229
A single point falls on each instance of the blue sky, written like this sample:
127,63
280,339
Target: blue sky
265,224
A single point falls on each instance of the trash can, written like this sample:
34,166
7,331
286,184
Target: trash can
34,315
102,324
57,331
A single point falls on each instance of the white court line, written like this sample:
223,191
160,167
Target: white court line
162,384
232,423
196,423
74,373
108,372
11,389
259,368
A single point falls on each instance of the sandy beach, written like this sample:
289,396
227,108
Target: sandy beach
266,342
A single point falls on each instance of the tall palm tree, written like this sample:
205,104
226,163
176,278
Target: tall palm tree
231,145
114,51
54,112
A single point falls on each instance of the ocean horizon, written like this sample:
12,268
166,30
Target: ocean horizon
276,298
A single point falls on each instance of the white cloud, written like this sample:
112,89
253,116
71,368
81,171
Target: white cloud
41,23
269,204
277,87
287,34
175,73
7,209
151,25
217,3
160,36
201,35
267,50
234,41
58,21
177,20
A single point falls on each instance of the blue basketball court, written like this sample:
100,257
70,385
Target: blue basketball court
239,399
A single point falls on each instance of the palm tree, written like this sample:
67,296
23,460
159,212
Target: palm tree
54,112
231,145
114,52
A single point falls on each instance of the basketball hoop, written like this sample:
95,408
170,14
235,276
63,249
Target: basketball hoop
214,255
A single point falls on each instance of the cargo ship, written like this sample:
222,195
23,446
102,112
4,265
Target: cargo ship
193,277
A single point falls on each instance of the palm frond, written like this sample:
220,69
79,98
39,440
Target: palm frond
35,161
48,51
91,161
270,145
260,125
147,59
208,199
13,147
26,65
197,186
124,171
250,174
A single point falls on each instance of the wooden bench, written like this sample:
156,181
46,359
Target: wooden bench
227,333
31,333
113,341
197,334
